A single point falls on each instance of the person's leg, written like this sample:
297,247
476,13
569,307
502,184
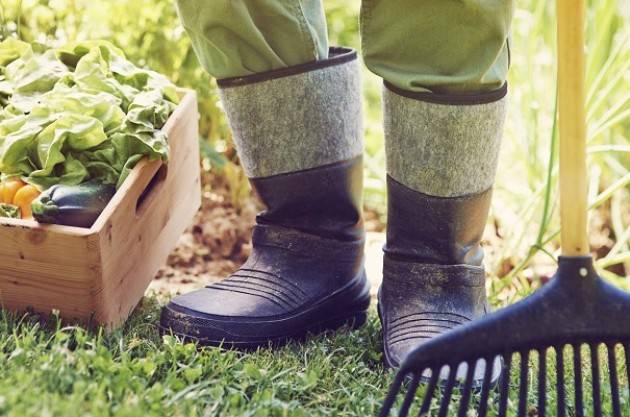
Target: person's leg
444,64
297,126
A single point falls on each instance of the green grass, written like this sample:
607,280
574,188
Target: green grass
49,369
52,370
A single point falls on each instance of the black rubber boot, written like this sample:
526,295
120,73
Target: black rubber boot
442,152
432,274
298,131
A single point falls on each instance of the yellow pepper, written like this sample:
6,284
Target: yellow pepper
23,199
8,189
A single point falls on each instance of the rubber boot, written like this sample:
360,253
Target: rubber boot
298,131
442,153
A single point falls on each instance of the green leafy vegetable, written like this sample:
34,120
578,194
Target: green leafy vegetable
77,113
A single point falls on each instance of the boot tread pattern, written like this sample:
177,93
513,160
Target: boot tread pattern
430,315
419,326
252,291
268,286
277,279
264,284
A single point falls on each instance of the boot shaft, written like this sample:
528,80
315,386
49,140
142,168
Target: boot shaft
299,135
442,154
324,201
435,230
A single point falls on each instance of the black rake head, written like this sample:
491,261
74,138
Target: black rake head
576,327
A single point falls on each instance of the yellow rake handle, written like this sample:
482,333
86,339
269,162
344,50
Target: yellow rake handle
572,125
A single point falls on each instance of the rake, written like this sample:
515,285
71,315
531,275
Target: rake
576,315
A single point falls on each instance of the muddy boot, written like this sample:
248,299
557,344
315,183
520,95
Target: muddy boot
442,154
298,131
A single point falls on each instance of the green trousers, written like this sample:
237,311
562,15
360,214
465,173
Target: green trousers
440,46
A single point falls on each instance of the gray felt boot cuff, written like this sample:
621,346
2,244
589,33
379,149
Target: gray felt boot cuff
443,145
296,118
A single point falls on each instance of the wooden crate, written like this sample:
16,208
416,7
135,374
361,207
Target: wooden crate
100,274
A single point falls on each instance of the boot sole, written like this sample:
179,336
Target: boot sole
354,321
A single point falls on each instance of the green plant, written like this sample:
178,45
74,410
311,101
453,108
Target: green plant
526,196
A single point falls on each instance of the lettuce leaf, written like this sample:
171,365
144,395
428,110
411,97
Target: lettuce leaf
77,113
11,49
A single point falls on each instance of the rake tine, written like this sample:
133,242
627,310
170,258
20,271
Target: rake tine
392,394
485,388
542,382
505,385
411,393
577,370
448,391
597,398
560,401
428,395
522,390
463,404
614,383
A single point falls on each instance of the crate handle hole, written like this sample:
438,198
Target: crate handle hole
152,190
